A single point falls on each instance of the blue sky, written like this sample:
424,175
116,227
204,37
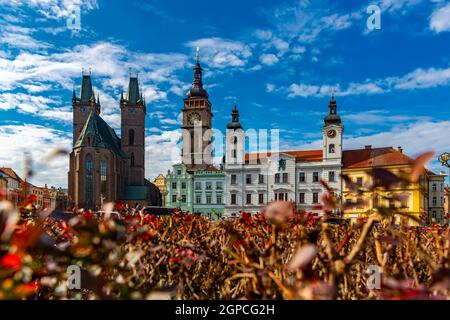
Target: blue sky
280,59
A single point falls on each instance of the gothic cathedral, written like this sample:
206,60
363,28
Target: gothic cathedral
104,167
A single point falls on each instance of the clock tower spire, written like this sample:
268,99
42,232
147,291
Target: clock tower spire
197,123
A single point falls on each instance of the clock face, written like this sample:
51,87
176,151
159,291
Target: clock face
194,117
331,133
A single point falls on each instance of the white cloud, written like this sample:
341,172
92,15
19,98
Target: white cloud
36,105
270,87
268,59
52,9
222,53
417,79
380,117
414,138
422,78
162,151
440,19
38,141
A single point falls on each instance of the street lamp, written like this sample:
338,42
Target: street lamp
444,159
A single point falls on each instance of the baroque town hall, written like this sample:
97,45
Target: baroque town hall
104,167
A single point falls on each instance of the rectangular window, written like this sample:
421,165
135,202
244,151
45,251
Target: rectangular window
198,186
179,172
404,203
174,198
315,177
261,198
301,177
233,179
434,187
285,177
249,198
208,199
219,199
434,201
359,181
183,185
315,197
183,198
301,197
208,186
277,178
331,176
174,185
198,198
248,179
233,198
219,185
261,179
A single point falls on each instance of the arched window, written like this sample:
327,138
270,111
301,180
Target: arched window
89,166
131,137
132,159
331,148
104,177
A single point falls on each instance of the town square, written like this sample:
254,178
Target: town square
242,153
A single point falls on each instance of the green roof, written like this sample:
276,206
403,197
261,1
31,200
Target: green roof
104,136
134,193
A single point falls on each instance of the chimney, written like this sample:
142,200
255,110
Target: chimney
400,149
369,146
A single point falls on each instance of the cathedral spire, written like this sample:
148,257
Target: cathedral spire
197,89
86,88
133,90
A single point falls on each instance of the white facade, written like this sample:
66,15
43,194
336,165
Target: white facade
255,180
436,198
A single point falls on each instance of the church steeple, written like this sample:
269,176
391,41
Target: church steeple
332,117
234,124
197,89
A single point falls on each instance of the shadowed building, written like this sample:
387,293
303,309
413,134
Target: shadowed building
104,167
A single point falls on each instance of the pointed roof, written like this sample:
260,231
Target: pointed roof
103,135
234,124
332,117
86,88
197,89
11,173
133,90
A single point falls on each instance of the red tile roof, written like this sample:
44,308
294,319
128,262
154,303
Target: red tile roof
374,157
10,172
360,158
300,155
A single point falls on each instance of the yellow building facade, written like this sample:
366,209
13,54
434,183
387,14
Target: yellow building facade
409,199
160,183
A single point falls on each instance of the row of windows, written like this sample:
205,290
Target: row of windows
434,187
284,177
209,185
279,196
198,199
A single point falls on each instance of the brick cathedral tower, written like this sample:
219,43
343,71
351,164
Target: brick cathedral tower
197,124
133,112
83,105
